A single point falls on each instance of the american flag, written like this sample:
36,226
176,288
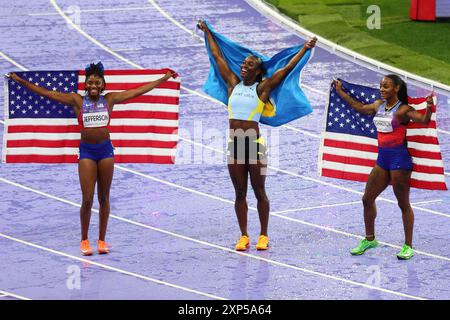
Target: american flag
349,146
39,130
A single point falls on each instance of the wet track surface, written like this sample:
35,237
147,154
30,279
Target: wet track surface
181,225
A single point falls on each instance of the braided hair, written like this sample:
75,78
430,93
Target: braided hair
95,69
403,92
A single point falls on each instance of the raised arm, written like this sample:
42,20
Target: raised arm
70,99
230,78
117,97
370,109
407,113
268,84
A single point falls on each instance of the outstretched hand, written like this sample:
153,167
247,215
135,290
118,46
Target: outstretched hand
202,25
12,76
337,84
430,100
170,74
311,43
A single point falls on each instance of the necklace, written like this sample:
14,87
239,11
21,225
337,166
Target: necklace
386,108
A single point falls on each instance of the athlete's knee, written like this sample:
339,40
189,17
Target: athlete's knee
87,202
241,193
261,195
368,200
402,193
263,199
103,199
405,206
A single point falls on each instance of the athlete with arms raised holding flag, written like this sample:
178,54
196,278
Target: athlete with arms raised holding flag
247,96
96,152
394,164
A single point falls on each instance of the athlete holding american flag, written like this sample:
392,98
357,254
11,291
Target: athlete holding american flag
394,164
96,153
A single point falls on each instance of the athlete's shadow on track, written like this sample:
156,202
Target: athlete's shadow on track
242,288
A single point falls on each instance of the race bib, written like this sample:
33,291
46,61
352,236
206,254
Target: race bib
383,124
95,119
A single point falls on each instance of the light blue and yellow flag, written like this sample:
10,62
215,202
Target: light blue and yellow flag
287,100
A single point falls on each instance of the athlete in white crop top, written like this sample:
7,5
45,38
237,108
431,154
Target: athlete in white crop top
244,103
96,161
248,92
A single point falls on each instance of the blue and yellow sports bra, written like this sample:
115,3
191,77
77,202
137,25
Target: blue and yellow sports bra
244,103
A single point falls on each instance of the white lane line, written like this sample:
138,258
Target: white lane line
212,197
92,10
5,293
87,36
182,27
442,131
317,207
171,184
272,213
429,201
175,22
314,90
128,49
4,56
431,255
107,267
186,95
321,182
358,192
306,133
112,52
323,275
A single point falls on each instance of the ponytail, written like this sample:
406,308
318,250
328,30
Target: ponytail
403,92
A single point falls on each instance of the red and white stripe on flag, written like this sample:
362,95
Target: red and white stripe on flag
352,157
143,129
